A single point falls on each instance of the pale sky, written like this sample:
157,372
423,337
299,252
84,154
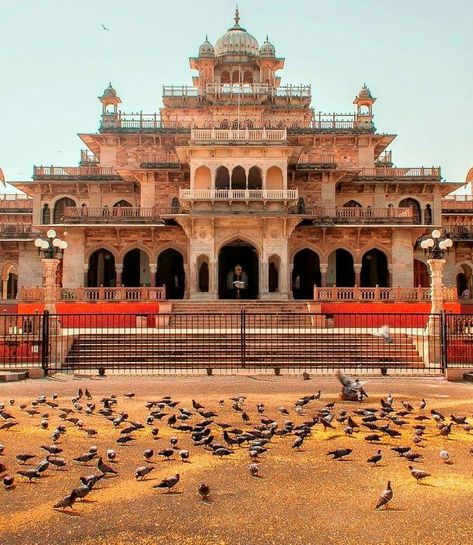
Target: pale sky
415,55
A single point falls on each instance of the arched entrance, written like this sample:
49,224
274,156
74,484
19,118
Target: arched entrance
238,253
101,269
305,274
374,269
136,269
60,208
171,273
421,274
340,271
464,282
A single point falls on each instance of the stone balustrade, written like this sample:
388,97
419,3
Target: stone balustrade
238,194
378,294
100,294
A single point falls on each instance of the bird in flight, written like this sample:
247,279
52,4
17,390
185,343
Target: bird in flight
104,27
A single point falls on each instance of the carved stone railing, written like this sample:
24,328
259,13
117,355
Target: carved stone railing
111,215
458,202
15,230
378,294
238,135
361,215
35,294
238,194
459,231
395,172
74,173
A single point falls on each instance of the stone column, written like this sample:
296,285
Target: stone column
153,269
436,284
4,288
390,276
118,272
49,283
213,280
357,269
263,278
323,274
86,275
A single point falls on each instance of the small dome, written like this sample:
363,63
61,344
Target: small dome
206,49
236,41
364,92
110,91
267,49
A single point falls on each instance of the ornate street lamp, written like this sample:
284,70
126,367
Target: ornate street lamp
52,248
51,251
436,246
435,249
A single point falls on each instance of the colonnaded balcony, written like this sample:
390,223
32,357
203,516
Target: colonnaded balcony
232,136
398,173
359,215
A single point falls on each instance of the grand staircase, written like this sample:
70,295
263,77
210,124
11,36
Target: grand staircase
203,335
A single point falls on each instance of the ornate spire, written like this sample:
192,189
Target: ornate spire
237,15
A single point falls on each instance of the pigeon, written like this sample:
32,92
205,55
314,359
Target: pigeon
423,404
298,443
111,455
445,456
2,448
104,27
254,469
184,455
83,490
142,471
401,450
51,449
375,458
148,454
197,406
23,458
130,394
8,481
169,482
385,497
166,453
385,333
30,474
418,474
204,491
8,425
68,501
221,451
412,456
339,453
104,468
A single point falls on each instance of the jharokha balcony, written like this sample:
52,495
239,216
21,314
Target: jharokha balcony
16,231
360,215
232,136
75,173
229,195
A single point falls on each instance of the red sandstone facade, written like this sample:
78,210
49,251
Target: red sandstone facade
236,170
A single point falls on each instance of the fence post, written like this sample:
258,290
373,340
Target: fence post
243,336
444,341
45,342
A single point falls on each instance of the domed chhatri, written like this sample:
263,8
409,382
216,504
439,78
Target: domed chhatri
364,92
206,49
267,49
237,41
109,91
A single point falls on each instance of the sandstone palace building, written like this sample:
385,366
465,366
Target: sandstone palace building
237,177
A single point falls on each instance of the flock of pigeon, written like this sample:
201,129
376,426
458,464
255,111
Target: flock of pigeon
257,434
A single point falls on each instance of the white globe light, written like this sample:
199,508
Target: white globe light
430,243
63,245
51,233
448,242
57,243
423,245
436,233
45,245
38,243
442,245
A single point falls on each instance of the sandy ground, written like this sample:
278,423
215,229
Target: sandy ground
302,498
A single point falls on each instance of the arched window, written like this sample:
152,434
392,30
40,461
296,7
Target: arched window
60,208
101,269
202,178
204,277
374,269
46,214
222,179
238,178
225,77
273,273
428,215
421,274
412,203
254,178
122,204
305,274
274,178
340,271
224,124
352,204
136,270
235,76
171,273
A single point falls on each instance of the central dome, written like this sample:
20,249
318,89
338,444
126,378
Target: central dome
236,41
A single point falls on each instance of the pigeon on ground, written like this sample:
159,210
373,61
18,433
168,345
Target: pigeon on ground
83,490
184,455
385,333
254,469
375,458
8,481
23,458
418,474
68,501
204,491
339,453
104,468
445,456
385,497
142,471
30,474
166,453
169,482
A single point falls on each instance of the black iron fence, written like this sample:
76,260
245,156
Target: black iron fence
237,342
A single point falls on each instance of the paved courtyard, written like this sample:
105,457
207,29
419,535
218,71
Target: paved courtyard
300,498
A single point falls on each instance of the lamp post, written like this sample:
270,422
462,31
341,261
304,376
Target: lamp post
52,251
435,248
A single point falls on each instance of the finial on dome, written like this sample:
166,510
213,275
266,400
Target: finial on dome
206,37
237,15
